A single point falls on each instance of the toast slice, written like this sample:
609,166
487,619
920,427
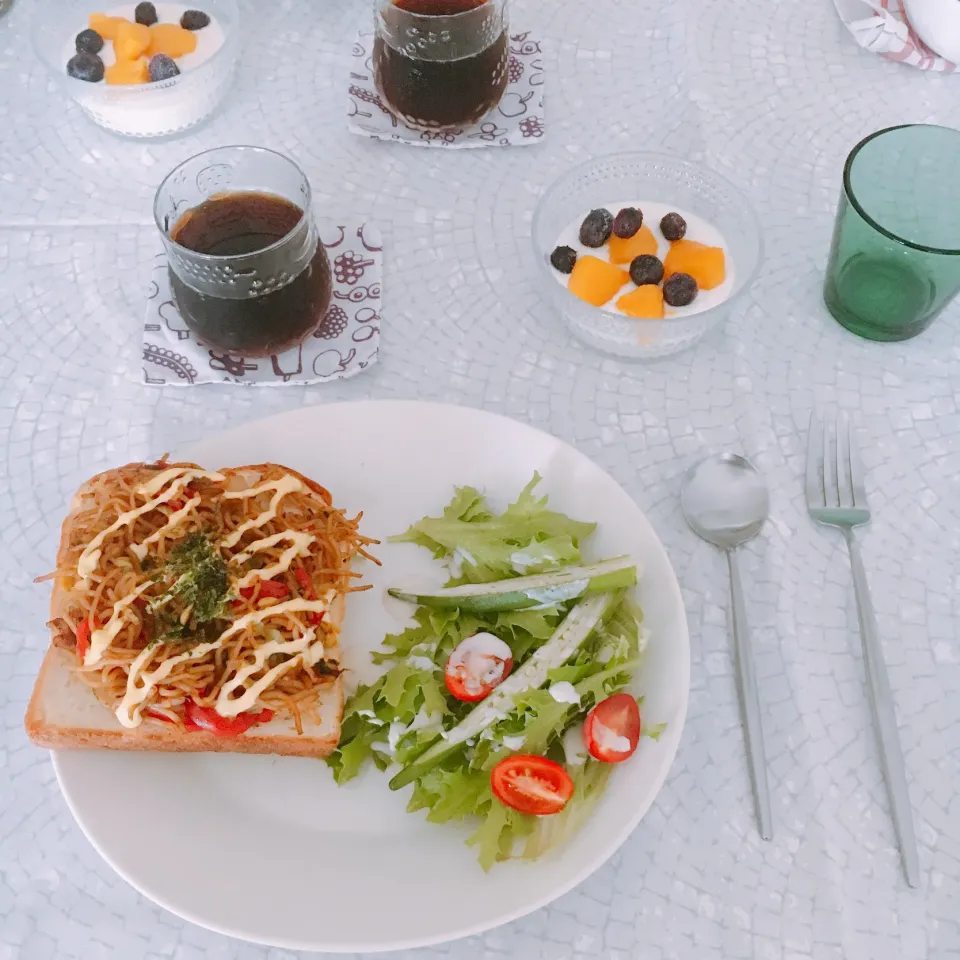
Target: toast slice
65,713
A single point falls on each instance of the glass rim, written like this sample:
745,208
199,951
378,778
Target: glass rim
233,257
433,17
855,203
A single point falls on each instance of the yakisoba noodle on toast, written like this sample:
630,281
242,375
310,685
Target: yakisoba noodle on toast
201,609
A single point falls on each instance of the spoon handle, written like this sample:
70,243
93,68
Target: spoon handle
749,701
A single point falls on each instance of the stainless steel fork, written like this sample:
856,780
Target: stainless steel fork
836,496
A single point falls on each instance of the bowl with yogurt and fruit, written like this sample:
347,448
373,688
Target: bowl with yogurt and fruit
642,254
148,69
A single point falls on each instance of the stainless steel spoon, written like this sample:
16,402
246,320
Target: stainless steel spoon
726,502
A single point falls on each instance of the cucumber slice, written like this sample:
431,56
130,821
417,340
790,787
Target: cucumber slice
538,590
566,640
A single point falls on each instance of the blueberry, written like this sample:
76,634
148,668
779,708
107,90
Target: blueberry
563,258
673,227
646,269
595,229
162,67
627,222
146,13
86,66
680,290
194,20
89,41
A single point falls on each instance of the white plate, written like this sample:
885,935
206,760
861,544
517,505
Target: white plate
269,849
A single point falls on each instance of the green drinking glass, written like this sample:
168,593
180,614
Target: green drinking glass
895,260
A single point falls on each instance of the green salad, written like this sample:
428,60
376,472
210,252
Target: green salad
488,696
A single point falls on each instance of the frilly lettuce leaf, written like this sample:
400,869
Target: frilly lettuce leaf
485,545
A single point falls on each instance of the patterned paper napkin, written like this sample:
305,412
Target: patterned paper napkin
882,26
346,342
517,121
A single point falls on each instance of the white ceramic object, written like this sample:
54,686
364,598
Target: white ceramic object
937,23
269,849
158,109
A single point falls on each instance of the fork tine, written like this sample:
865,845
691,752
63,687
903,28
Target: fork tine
831,493
855,466
814,481
844,483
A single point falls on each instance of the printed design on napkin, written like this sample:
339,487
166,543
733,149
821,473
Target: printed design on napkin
346,342
517,121
882,27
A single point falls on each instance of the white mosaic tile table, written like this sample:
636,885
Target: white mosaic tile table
772,94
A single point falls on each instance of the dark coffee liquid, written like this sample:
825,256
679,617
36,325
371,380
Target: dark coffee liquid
256,326
444,93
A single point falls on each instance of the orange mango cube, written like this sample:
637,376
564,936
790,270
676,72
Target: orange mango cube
596,281
131,41
625,251
171,39
707,265
128,71
106,26
644,303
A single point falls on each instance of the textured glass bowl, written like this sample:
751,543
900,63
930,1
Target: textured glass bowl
659,178
139,110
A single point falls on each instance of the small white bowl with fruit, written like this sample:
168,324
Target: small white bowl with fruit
141,69
643,254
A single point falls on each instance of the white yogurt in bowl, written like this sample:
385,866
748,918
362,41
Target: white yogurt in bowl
653,212
150,109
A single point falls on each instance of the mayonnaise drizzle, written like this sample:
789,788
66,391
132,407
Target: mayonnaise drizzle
131,706
283,486
303,647
300,547
180,477
140,550
102,638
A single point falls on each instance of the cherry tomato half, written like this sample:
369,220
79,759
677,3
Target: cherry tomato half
611,731
206,718
533,785
478,666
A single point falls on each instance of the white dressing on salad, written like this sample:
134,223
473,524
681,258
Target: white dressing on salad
549,596
425,721
480,661
513,743
459,557
102,638
534,556
140,684
140,550
286,484
299,547
573,746
177,477
398,730
564,692
607,739
421,663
